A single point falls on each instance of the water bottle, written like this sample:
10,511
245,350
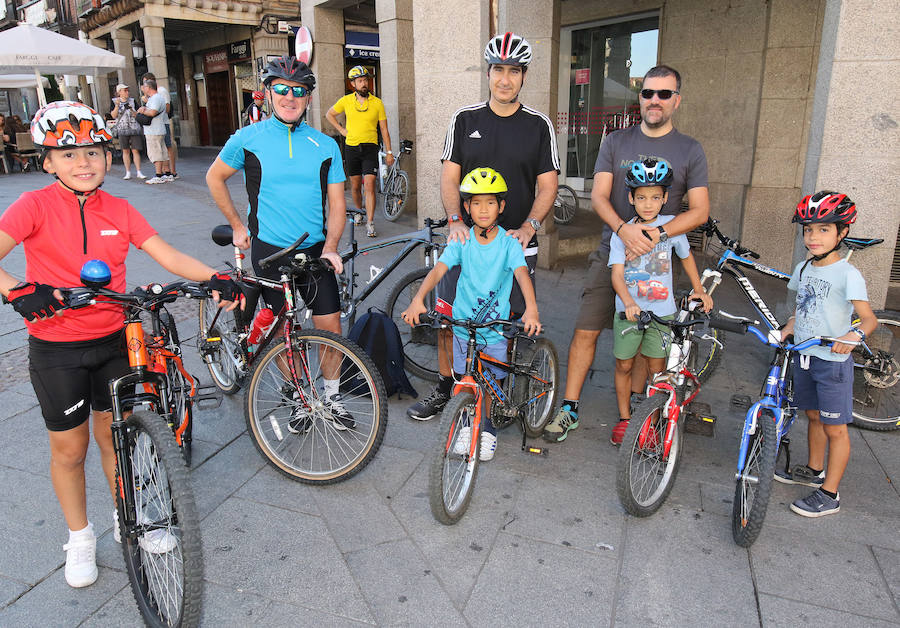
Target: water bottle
263,320
382,169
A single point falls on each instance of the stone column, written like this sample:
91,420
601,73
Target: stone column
84,87
854,127
121,38
327,29
538,22
398,89
101,84
450,73
155,47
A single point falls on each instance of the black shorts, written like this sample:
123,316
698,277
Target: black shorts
71,378
361,159
319,291
446,289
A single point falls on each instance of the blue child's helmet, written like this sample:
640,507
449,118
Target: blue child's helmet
95,274
648,172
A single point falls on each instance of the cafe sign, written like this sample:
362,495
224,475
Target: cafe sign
239,50
215,61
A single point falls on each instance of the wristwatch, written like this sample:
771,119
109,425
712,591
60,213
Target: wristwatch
454,218
389,153
535,224
663,236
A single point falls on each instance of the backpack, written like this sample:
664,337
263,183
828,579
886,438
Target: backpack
379,337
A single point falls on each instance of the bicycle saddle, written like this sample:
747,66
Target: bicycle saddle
222,234
857,244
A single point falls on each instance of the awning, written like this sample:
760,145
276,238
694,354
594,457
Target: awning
360,45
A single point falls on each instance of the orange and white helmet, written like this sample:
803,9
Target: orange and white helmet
68,124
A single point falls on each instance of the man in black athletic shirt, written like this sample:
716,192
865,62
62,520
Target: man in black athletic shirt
518,142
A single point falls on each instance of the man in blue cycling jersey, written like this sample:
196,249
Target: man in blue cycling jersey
290,171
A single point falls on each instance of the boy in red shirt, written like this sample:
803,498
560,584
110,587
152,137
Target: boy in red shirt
73,354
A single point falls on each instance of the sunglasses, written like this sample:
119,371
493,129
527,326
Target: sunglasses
664,94
282,90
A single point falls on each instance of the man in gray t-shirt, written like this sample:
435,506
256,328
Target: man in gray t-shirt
154,133
655,137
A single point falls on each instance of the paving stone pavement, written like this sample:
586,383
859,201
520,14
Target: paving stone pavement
544,542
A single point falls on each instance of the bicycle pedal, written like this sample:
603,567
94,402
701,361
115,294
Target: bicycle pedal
699,420
208,398
537,451
741,401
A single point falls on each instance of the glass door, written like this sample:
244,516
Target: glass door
608,63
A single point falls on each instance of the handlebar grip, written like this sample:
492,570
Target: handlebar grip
725,325
268,260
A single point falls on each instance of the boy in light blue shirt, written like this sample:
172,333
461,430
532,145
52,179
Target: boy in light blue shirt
488,260
828,290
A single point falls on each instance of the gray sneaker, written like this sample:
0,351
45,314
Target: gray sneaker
557,429
800,474
817,504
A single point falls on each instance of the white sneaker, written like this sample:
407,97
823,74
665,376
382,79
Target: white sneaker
488,446
140,175
154,180
167,178
153,542
461,446
127,175
81,560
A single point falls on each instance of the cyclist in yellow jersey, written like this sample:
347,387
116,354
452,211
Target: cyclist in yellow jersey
364,114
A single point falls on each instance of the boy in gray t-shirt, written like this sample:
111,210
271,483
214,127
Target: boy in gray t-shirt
645,284
828,290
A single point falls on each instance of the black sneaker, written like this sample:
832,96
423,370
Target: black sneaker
300,422
800,474
337,414
429,407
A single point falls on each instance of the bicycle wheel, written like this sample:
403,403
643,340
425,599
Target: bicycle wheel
754,485
297,430
876,398
705,355
223,356
163,557
179,404
645,475
419,343
565,206
451,480
544,365
395,196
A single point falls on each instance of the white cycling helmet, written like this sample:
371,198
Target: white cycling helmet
508,49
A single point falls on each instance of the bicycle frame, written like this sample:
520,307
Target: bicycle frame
731,263
412,240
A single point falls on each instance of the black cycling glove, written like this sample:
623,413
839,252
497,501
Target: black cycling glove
33,300
226,287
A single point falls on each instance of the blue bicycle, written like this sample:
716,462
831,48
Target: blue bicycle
764,437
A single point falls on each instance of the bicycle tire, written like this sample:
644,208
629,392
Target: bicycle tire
323,454
180,393
162,496
751,498
222,369
565,206
544,363
395,196
876,395
419,343
644,478
451,480
706,355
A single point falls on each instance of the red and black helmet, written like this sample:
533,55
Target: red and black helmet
290,68
825,206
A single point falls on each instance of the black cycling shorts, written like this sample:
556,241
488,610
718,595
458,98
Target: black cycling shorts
361,159
71,378
319,290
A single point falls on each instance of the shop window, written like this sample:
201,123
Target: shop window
608,63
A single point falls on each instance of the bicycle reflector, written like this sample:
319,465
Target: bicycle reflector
95,274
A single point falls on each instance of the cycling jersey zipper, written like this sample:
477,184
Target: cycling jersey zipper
81,201
290,144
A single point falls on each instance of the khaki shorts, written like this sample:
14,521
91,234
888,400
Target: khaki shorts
598,301
156,148
654,342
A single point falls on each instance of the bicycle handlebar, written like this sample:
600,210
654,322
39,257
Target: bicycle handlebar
815,341
444,320
646,317
709,228
146,298
263,263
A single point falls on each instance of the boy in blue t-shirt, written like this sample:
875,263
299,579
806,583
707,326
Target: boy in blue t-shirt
645,284
488,262
828,290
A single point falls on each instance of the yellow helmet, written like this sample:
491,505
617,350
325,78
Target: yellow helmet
357,71
483,181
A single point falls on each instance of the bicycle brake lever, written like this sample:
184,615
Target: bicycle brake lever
707,336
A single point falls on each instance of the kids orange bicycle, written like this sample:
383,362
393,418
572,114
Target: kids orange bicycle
158,522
